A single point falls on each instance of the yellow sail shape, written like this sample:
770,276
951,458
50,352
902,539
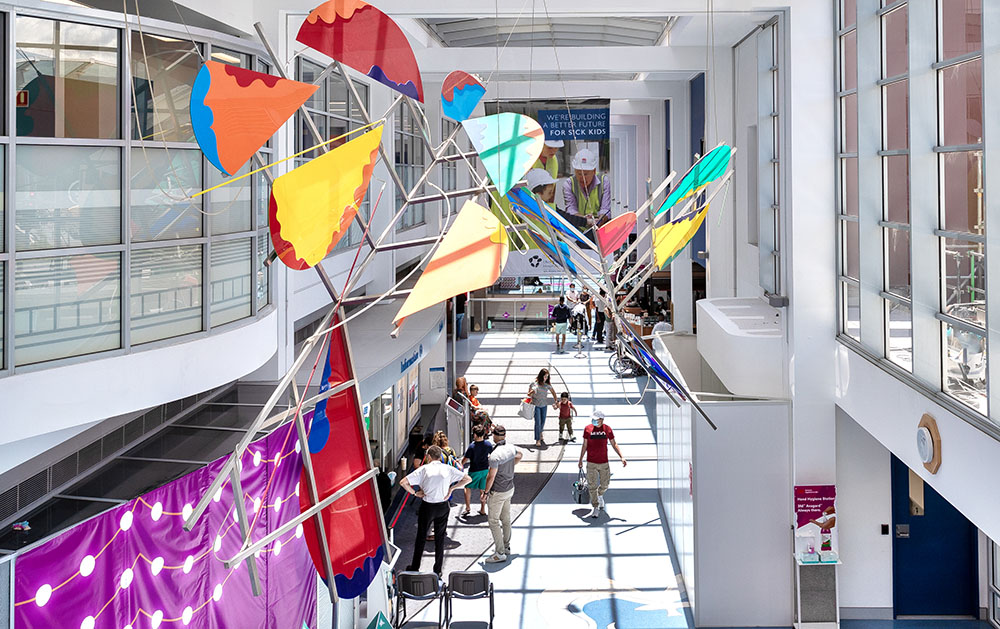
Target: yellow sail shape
670,239
471,256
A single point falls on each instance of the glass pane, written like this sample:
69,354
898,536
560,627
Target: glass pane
849,186
229,206
897,115
899,336
263,271
338,128
917,503
66,306
363,93
338,96
897,248
3,275
308,73
894,35
851,310
849,61
263,198
166,292
67,196
849,13
306,137
962,186
163,71
162,181
230,276
849,123
965,367
66,79
231,57
961,27
962,103
852,257
897,188
965,280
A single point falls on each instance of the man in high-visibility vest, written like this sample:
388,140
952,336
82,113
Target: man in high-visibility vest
548,160
587,194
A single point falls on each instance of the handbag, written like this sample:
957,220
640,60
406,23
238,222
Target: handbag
581,490
527,409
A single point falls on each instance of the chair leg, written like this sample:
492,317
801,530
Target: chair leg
491,609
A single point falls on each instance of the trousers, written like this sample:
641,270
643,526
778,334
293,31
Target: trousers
598,479
498,505
541,411
567,424
428,513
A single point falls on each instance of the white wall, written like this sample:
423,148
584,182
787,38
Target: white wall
864,503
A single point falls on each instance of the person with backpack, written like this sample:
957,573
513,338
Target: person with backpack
561,314
566,412
477,457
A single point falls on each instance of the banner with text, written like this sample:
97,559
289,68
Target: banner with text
816,522
575,124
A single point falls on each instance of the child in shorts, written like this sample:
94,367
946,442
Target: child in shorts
566,412
477,457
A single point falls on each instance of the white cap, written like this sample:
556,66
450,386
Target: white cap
585,159
598,414
538,177
556,144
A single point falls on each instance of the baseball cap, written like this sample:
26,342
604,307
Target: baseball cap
538,177
598,414
556,144
585,159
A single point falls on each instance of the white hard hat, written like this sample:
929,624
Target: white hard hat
538,177
556,144
598,414
585,159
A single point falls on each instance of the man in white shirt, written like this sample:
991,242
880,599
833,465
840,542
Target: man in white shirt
436,481
572,295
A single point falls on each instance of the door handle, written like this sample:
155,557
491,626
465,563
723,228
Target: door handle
902,531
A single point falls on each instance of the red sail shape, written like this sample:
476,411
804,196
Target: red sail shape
338,448
362,37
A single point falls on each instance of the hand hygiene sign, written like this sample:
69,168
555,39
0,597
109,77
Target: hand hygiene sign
575,124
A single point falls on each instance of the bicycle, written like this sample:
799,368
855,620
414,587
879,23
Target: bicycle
622,364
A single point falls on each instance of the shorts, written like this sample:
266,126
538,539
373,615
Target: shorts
478,479
562,328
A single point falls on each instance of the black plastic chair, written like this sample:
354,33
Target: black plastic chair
468,585
418,586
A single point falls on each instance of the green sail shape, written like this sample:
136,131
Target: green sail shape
705,171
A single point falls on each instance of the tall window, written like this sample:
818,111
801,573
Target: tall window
334,111
895,157
449,170
962,230
109,250
849,258
411,157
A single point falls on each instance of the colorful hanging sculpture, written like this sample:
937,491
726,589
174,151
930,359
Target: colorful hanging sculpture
471,256
234,111
671,239
614,233
360,36
538,213
509,145
312,206
550,252
338,447
703,172
460,93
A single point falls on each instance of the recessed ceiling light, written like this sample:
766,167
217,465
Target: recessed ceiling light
226,57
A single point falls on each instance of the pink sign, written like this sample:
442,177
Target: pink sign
813,502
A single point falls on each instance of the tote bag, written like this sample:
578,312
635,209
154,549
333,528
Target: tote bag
527,409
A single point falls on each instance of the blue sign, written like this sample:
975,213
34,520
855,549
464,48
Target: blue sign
575,124
406,363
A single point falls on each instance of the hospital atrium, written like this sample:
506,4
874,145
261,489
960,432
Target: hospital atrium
499,313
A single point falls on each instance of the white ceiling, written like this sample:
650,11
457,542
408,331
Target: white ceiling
537,31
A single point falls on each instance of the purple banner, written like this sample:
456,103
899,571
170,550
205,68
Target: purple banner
136,567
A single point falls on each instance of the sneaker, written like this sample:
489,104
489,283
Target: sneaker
572,438
600,503
496,558
596,512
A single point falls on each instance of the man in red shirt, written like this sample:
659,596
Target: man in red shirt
596,438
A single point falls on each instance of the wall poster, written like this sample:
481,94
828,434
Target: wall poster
816,523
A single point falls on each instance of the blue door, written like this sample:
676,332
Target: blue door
934,551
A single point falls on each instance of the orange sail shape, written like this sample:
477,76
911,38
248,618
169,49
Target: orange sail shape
613,235
471,256
234,111
312,206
